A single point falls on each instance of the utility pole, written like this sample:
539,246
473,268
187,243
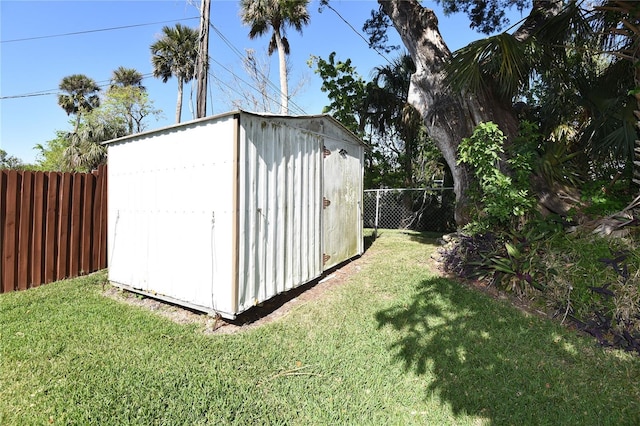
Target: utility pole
203,60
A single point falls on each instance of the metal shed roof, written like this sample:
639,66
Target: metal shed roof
327,117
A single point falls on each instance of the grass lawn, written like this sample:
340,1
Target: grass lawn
393,345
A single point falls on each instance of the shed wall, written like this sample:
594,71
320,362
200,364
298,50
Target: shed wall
280,216
171,213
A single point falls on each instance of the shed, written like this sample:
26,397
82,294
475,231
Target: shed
223,213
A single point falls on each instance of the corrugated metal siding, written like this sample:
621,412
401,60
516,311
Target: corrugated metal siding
280,216
171,216
220,214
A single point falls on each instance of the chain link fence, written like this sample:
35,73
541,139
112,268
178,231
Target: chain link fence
427,209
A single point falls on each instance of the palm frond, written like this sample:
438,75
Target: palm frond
500,61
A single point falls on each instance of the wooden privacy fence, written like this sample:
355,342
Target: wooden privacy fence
52,226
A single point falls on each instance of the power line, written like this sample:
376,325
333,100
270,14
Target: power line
235,50
94,31
358,33
250,85
101,84
29,95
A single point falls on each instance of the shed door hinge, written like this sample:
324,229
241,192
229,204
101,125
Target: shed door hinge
325,202
325,152
325,258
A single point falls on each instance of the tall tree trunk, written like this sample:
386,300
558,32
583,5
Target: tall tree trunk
130,117
282,61
77,125
179,103
449,117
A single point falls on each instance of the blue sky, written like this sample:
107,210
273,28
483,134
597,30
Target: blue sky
37,65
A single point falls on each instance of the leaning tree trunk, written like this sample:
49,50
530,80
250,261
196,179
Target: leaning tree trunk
448,116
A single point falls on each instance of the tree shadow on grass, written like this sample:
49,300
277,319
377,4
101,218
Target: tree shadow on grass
489,360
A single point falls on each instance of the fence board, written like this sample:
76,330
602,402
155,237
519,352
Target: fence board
3,202
37,265
87,209
52,226
76,207
100,218
24,240
50,230
10,239
63,226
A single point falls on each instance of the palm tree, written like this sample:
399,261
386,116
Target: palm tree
85,151
276,15
575,88
622,19
80,97
391,111
127,79
175,55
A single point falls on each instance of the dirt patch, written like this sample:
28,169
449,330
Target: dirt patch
276,307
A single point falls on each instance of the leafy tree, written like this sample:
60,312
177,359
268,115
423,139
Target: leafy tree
80,97
9,161
495,71
128,78
346,89
175,55
123,111
448,115
377,110
50,157
275,16
621,22
575,86
131,104
392,114
85,151
486,16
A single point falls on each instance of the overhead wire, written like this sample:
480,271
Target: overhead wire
357,32
222,37
101,84
94,31
277,101
240,55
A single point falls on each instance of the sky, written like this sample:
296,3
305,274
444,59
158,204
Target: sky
43,41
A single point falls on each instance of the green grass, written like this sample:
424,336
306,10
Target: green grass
393,345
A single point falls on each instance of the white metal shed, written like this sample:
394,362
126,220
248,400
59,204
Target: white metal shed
222,213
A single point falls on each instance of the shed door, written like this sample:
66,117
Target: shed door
342,195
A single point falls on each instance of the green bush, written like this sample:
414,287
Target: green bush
503,196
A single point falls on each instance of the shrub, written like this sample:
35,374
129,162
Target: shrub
590,281
503,196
